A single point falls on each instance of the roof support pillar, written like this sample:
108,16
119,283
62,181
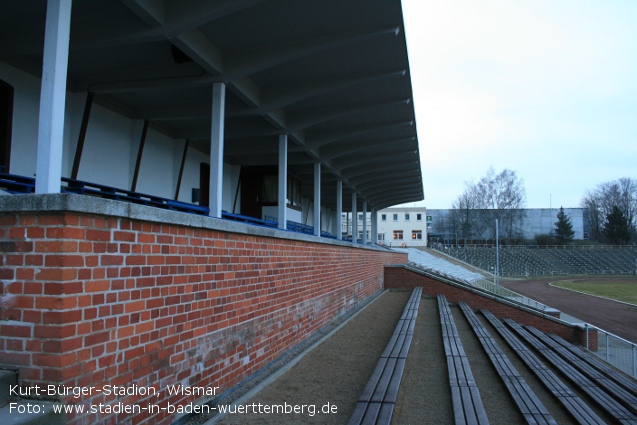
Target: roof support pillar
283,181
339,210
317,199
364,222
216,148
53,96
374,226
354,219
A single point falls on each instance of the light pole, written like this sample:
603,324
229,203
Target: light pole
497,254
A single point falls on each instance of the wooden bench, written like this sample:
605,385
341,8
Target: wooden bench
621,394
376,403
620,378
597,394
16,184
530,406
465,395
577,408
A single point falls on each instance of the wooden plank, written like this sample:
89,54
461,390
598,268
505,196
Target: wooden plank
371,414
383,382
385,414
481,414
358,413
394,384
370,387
458,407
580,411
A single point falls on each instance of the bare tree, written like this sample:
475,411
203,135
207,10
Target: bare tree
601,200
495,196
465,216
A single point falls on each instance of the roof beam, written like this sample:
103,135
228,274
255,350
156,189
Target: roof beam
306,118
318,139
184,16
337,150
251,61
279,97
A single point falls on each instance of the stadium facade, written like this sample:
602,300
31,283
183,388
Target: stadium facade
221,142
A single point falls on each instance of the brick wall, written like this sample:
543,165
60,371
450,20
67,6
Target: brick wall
89,300
400,277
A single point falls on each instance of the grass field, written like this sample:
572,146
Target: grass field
624,289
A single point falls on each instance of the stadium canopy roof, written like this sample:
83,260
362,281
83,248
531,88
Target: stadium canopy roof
331,74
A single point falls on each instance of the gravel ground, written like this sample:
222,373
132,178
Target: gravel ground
424,395
335,372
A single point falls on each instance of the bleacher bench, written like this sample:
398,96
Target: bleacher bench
109,192
16,184
604,400
577,408
530,406
376,403
465,396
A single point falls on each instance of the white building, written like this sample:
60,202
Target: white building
403,226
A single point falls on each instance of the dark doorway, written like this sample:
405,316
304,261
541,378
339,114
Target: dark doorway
251,191
204,184
6,119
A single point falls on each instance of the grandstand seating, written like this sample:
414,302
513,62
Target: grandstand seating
596,392
527,261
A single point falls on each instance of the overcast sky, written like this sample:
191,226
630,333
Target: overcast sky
547,88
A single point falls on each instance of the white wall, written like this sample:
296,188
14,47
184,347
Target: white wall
25,119
110,148
388,226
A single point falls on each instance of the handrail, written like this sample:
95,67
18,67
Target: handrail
560,247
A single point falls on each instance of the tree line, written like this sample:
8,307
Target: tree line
499,196
612,211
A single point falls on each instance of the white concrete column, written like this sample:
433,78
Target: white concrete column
339,210
374,226
317,199
216,148
354,219
364,222
283,181
53,96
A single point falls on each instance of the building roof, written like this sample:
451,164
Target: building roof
333,75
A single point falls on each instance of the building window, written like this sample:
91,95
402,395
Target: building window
395,217
418,217
416,234
381,236
383,217
406,217
398,235
360,216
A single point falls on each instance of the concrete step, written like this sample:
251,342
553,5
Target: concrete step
14,411
7,378
30,412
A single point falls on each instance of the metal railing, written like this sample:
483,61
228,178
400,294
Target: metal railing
503,292
613,349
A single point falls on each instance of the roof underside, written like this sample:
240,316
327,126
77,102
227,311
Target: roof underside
332,74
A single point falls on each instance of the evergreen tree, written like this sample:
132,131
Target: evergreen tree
616,227
563,228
